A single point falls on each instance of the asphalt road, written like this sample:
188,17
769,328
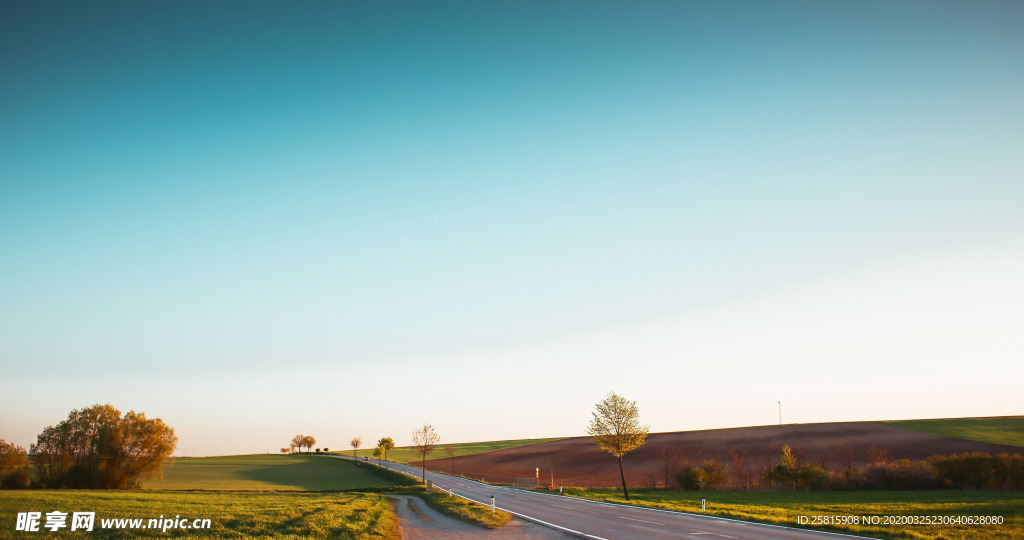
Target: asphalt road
592,519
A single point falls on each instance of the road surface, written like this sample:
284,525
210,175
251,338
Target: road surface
606,521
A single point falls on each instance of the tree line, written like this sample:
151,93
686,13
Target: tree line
978,470
94,448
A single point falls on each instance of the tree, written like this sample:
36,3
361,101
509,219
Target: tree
308,441
97,448
450,450
299,441
669,457
285,450
355,442
377,452
387,444
423,440
616,429
13,466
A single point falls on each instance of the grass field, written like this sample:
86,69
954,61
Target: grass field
1000,430
232,515
406,454
267,472
783,508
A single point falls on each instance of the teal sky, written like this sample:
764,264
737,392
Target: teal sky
255,219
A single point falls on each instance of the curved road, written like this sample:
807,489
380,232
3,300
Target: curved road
606,521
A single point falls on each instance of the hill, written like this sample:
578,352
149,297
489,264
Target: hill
998,429
266,472
577,461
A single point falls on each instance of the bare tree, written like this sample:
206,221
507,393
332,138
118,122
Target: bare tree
450,450
298,441
846,455
423,440
669,458
356,442
878,455
821,459
768,453
616,429
742,476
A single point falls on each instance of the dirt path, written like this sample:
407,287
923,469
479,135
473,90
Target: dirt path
421,522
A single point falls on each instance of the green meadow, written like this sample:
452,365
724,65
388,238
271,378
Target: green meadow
267,472
407,454
999,430
232,515
784,508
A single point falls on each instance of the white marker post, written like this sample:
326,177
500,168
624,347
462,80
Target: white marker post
492,504
703,505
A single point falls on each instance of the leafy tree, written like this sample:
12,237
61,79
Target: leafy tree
308,441
423,440
355,442
616,429
377,452
285,450
14,472
97,448
388,444
299,441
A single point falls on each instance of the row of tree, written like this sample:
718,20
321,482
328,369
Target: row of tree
94,448
299,442
957,471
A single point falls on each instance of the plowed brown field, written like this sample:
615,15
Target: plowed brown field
578,461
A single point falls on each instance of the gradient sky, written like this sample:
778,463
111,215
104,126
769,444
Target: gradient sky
349,218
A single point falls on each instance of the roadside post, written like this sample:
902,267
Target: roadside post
492,504
703,504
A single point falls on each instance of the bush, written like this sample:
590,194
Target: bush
903,474
979,470
14,472
708,476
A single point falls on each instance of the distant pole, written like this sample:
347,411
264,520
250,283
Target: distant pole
780,413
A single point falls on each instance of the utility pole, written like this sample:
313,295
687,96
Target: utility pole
780,413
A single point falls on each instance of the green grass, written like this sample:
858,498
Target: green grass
783,508
406,454
268,472
1000,430
232,515
464,510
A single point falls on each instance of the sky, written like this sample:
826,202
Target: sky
342,219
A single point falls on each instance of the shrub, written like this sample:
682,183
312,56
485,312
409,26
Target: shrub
903,474
979,470
711,474
14,472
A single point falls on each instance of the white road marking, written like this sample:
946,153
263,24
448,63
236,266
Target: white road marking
712,534
576,509
643,521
